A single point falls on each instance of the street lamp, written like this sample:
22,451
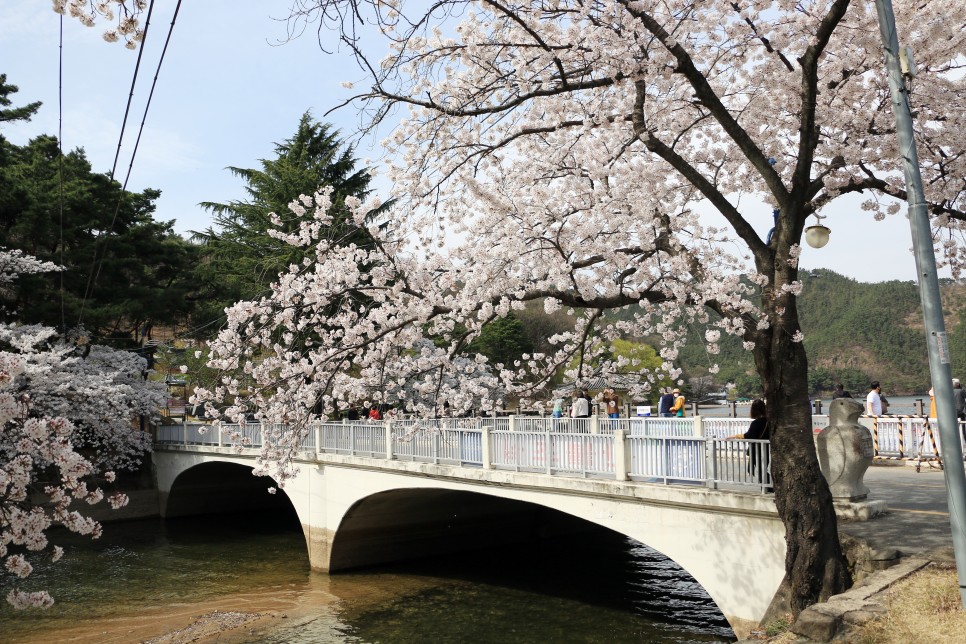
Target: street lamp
898,65
817,236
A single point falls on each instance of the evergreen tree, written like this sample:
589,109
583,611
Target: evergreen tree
10,114
122,271
502,341
242,259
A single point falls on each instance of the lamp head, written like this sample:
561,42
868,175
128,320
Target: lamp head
817,236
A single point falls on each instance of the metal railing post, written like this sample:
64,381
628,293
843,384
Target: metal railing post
710,463
595,424
547,451
485,449
621,464
512,422
699,426
389,451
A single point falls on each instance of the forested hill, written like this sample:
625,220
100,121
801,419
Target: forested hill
858,332
854,333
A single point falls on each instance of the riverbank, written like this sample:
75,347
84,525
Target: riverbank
914,601
229,619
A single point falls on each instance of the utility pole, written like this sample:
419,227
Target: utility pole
932,312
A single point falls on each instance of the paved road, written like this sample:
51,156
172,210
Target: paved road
918,517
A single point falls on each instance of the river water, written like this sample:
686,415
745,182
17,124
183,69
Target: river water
595,587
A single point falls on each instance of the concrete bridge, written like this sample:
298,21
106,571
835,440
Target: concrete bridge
375,493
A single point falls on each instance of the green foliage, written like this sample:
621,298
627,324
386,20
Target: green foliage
242,260
778,625
9,114
539,326
874,330
854,333
823,379
123,271
643,355
503,341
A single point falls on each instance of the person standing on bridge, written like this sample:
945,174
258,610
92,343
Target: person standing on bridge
612,402
665,403
580,407
558,404
757,431
353,413
678,408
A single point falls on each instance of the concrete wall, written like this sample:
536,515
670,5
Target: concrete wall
357,511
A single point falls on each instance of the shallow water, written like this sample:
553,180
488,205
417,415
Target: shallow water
598,587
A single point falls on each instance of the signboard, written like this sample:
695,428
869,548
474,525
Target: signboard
644,410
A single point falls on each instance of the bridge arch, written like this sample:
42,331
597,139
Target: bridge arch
411,523
732,544
221,487
562,550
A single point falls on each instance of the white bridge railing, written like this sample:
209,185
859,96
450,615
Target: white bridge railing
664,450
691,450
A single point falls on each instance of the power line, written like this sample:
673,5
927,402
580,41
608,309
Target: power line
60,167
98,264
130,95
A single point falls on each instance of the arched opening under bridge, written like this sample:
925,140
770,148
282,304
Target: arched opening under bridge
520,545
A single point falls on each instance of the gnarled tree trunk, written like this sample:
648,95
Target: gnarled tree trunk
815,565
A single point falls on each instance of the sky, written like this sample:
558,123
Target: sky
230,88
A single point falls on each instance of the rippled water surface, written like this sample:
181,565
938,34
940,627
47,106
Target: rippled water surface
595,587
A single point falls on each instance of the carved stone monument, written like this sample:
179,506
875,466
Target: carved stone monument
845,451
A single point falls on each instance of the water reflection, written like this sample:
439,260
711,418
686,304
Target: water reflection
593,587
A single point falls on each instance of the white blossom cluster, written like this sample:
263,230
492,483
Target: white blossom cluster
53,403
121,14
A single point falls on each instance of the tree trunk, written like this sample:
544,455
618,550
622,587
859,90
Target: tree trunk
815,566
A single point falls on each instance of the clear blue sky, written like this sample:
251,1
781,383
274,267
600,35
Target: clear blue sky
227,92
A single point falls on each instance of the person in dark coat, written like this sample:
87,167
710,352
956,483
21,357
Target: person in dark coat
758,430
665,403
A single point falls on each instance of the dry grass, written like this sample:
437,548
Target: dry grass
924,607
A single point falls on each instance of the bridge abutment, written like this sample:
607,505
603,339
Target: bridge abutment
318,540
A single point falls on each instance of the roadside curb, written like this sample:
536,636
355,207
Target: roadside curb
832,620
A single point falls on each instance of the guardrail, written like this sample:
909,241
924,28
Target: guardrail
907,437
691,450
623,449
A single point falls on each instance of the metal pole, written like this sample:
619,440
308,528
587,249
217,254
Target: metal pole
929,294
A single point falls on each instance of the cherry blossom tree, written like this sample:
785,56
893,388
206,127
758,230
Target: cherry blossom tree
593,155
66,422
103,391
